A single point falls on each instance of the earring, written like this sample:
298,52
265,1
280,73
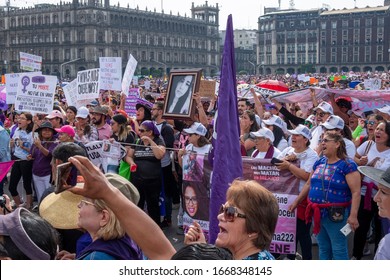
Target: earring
249,235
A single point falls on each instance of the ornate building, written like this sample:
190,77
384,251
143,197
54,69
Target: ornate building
325,41
72,36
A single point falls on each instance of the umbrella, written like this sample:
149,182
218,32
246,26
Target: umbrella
273,85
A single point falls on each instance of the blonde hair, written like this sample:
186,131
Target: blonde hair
113,228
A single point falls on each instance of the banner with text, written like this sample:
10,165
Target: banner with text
110,73
35,93
131,101
71,91
11,85
30,62
88,84
128,75
283,184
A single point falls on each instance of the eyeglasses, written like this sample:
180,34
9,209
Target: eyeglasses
23,119
141,130
322,114
84,202
327,140
230,213
191,199
371,122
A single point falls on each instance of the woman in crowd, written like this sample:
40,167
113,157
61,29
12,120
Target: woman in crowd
143,114
179,101
382,199
22,141
275,124
370,124
146,156
333,197
122,133
242,222
375,154
26,236
248,124
71,113
300,150
40,153
85,132
197,141
109,239
245,229
264,148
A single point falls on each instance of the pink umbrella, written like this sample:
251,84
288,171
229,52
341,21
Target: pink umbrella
273,85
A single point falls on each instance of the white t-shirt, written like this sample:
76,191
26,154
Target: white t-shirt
307,159
282,144
199,150
261,155
382,163
351,148
315,136
383,251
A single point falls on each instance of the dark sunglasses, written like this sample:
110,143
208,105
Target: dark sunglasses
320,114
141,130
371,122
230,213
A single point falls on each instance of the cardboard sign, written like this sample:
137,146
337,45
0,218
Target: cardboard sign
35,93
207,89
30,62
128,75
110,73
70,91
88,84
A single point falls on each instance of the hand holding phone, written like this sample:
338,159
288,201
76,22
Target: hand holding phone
66,177
275,161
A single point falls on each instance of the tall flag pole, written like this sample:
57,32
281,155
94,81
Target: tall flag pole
227,162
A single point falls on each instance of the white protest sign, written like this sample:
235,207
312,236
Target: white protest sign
135,81
70,91
110,73
128,75
11,85
147,84
30,62
88,84
35,93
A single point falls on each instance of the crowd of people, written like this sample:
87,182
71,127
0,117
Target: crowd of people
325,147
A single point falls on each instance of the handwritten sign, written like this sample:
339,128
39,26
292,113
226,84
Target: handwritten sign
128,75
110,73
35,93
70,91
207,89
88,84
30,62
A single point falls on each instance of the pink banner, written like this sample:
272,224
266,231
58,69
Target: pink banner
4,168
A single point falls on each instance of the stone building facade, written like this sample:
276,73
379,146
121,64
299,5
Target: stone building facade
320,40
72,36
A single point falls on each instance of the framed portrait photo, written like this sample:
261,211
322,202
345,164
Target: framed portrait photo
182,85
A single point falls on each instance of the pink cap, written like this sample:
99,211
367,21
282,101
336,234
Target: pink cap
55,114
66,129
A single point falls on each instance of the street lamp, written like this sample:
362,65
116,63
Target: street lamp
254,66
68,62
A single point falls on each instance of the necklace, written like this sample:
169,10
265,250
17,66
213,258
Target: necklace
330,180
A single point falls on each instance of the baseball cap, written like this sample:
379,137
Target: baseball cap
301,130
264,132
325,107
385,109
66,129
196,128
275,120
82,112
100,110
334,122
357,112
55,114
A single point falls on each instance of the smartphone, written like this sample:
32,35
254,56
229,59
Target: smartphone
36,135
66,177
275,160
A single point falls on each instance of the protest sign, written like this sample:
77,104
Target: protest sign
135,81
70,91
207,89
12,86
131,100
88,84
35,93
110,73
30,62
282,183
128,75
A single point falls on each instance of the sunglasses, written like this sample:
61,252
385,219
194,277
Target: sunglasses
230,213
322,114
141,130
327,140
371,122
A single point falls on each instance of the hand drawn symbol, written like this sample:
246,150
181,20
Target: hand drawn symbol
25,82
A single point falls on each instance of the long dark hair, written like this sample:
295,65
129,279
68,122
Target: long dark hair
29,117
278,134
185,96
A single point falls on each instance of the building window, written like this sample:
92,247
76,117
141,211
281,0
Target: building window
67,54
356,23
381,21
368,22
345,23
367,54
323,25
81,53
334,24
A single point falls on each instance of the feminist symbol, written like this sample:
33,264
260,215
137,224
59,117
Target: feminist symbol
25,82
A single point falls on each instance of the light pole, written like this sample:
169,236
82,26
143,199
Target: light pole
68,62
254,66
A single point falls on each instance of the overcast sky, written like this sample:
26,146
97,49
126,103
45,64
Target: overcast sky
245,12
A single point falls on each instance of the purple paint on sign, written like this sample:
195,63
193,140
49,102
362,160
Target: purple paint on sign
38,79
25,82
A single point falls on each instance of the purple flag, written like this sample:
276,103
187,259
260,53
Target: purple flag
227,163
4,168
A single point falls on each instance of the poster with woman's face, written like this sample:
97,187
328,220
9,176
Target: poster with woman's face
193,167
180,94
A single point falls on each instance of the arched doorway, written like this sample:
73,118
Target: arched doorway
333,69
279,71
380,68
323,70
367,69
356,69
344,69
291,70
